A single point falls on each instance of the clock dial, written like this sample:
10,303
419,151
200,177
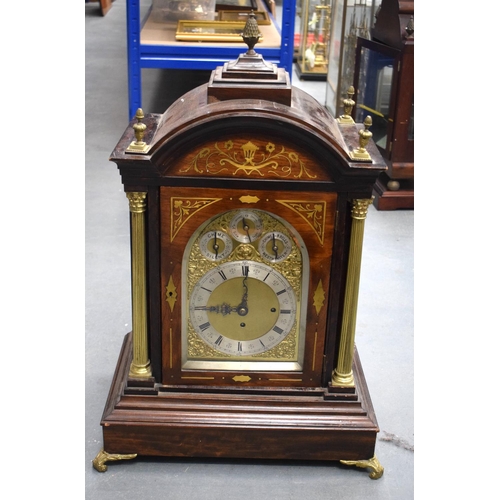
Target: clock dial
246,226
275,246
245,301
216,245
243,308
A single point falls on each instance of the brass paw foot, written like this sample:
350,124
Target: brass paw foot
372,463
102,457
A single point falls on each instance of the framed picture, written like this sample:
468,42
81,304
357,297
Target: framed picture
210,31
261,16
235,5
271,5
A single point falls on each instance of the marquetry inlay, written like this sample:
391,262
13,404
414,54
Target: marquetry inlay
230,158
184,208
313,212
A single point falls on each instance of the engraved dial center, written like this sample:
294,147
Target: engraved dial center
257,316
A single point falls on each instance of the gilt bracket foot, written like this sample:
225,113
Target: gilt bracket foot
102,457
372,464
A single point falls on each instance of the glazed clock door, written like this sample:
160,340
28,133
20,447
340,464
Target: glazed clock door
245,278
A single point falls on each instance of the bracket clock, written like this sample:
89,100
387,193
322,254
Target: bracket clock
247,209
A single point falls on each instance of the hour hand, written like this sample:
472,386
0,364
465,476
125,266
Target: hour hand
223,309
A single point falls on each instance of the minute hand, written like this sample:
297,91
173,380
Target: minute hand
242,308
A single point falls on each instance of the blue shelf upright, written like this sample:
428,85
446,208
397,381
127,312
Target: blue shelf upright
181,55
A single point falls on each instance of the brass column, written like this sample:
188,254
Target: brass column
141,366
342,375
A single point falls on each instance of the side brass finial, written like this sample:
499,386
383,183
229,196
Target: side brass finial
360,153
348,105
251,33
138,146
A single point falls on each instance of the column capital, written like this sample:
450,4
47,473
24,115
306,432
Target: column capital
360,208
137,201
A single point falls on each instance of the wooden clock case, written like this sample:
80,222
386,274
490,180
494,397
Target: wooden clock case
240,141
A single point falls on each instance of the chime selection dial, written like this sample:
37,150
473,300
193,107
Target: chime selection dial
216,245
275,246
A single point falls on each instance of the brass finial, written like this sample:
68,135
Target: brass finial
251,33
138,146
360,153
348,105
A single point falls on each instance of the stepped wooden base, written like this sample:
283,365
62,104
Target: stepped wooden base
147,419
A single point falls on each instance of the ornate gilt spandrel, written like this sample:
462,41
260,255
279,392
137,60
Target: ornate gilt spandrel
183,208
313,212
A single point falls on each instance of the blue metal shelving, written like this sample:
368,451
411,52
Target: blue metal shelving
206,57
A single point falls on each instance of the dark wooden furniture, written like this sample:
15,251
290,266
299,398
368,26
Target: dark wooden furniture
384,76
105,6
230,147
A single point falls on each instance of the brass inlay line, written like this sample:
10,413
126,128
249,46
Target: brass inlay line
313,212
285,379
343,375
249,159
181,209
140,366
314,350
171,344
199,378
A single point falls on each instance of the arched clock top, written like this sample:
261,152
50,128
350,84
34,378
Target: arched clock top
247,139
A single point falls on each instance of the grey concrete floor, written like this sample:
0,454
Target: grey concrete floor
384,334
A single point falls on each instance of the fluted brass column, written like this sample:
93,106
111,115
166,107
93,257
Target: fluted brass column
342,375
141,366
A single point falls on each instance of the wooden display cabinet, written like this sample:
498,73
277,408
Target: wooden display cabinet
384,75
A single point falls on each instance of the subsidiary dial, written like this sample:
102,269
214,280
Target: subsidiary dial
246,226
216,245
275,246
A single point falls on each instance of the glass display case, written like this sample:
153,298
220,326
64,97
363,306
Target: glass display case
384,81
375,81
314,46
349,19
